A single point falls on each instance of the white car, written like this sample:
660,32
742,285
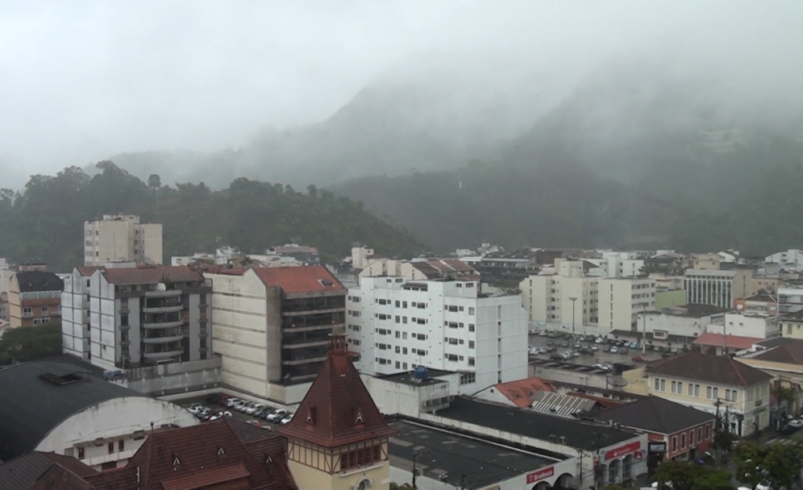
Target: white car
796,423
599,340
286,419
277,415
614,350
219,415
195,408
245,406
251,410
231,401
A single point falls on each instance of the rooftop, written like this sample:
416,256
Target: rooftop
450,457
151,274
720,340
45,394
561,404
33,281
21,472
786,353
302,279
514,420
656,414
693,310
708,367
408,377
521,391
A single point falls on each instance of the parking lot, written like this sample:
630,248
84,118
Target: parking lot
213,403
589,352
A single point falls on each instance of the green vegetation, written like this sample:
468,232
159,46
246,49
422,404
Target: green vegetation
46,220
28,343
780,464
690,476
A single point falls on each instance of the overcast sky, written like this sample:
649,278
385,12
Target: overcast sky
82,80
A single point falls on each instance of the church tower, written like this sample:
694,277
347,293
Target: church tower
337,439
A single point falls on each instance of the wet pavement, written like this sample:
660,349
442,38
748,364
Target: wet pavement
597,357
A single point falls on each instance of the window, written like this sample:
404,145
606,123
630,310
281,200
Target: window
699,434
674,443
80,453
123,320
471,310
404,335
470,361
707,432
111,448
44,310
470,344
397,318
468,378
203,343
355,342
470,327
404,304
691,438
404,365
398,303
364,456
712,392
397,362
398,334
683,441
121,445
731,395
27,311
694,390
404,351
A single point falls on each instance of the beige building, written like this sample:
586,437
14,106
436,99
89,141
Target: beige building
706,261
621,300
739,394
561,298
122,238
719,288
271,327
784,361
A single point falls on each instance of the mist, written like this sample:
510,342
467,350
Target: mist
83,81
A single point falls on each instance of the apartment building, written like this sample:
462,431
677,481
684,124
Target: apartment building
716,287
758,303
146,315
34,297
75,315
791,325
122,238
271,327
566,297
737,393
621,300
790,299
396,324
680,323
792,259
748,324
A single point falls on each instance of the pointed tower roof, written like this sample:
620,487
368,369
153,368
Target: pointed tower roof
337,410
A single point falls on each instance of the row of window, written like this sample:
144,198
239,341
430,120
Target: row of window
459,325
693,389
457,309
28,311
691,438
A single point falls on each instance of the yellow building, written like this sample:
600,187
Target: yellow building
792,325
636,381
739,394
338,439
783,359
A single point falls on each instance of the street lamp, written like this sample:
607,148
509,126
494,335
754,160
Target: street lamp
573,300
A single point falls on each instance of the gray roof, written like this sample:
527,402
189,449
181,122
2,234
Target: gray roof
39,396
559,404
528,423
31,281
656,414
452,458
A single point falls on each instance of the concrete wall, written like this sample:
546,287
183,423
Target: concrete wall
151,234
668,299
113,421
760,327
173,378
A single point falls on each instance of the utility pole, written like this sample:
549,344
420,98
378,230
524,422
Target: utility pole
415,454
573,299
644,329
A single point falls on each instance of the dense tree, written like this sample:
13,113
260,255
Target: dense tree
690,476
780,464
28,343
46,220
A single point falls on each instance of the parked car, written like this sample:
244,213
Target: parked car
634,345
607,348
608,366
614,349
577,345
254,409
796,424
286,419
565,343
594,348
598,366
231,401
623,350
556,357
195,408
219,415
277,415
203,413
238,404
224,399
245,406
599,340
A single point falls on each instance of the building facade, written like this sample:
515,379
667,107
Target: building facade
568,297
272,326
621,300
75,314
716,287
119,237
736,393
790,300
395,325
755,325
792,259
146,315
34,298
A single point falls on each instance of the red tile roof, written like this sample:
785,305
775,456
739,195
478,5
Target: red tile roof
337,410
520,392
208,478
788,353
303,279
708,367
116,479
21,472
59,477
184,452
731,341
151,274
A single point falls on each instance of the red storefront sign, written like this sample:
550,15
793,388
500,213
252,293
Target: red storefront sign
622,450
540,474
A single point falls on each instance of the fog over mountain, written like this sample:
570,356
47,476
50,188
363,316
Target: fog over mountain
315,92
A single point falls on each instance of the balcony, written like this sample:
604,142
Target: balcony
166,324
162,340
163,309
170,293
160,356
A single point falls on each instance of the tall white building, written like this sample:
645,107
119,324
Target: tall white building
621,300
568,296
790,300
75,325
395,325
120,237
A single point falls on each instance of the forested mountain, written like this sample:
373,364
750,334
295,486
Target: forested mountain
46,220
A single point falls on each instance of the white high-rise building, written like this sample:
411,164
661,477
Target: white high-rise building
395,324
122,238
562,298
621,300
75,325
792,259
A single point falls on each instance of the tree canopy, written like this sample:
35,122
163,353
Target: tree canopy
780,464
28,343
46,219
690,476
